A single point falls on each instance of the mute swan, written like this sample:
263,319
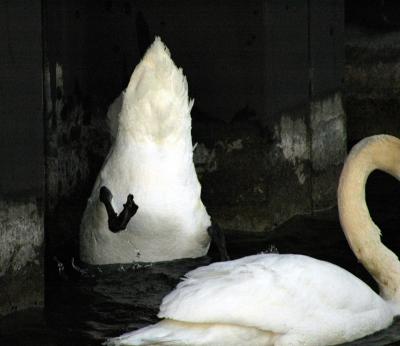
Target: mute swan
152,158
272,299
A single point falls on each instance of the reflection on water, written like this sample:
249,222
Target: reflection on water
109,300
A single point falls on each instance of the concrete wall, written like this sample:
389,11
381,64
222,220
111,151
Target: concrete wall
372,98
254,177
22,156
372,70
266,78
21,254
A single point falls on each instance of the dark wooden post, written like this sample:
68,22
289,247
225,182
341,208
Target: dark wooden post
22,157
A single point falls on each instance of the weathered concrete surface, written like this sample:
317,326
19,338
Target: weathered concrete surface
255,177
21,254
77,142
22,156
328,148
372,82
247,172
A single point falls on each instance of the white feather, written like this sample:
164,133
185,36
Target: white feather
266,299
152,158
289,300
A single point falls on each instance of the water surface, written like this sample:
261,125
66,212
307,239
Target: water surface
84,310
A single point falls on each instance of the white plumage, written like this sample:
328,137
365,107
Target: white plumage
290,300
152,158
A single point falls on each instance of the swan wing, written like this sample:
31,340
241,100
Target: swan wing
272,292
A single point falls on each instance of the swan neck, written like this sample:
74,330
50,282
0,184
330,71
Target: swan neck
363,235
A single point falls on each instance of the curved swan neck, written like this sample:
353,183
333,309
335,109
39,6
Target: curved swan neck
377,152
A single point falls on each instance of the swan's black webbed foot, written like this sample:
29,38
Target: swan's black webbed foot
218,238
117,223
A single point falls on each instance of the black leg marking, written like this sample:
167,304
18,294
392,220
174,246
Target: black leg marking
218,237
117,223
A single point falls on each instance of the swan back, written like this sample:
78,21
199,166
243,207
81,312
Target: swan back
279,294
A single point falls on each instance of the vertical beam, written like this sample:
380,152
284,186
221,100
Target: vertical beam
286,55
286,112
327,118
22,157
326,46
21,130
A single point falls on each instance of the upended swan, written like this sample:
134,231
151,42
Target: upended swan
151,159
282,300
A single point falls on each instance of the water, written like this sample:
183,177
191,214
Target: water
84,310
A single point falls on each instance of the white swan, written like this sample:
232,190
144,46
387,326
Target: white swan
152,158
272,299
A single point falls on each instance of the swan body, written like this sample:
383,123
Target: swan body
266,299
290,300
152,158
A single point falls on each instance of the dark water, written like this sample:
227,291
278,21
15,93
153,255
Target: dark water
109,300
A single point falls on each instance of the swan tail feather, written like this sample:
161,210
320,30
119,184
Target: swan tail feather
156,105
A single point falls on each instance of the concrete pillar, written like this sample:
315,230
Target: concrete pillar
22,157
